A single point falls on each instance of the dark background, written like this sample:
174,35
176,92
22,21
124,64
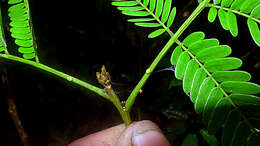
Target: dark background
78,37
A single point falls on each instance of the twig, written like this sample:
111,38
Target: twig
12,109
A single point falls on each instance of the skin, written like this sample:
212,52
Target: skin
142,133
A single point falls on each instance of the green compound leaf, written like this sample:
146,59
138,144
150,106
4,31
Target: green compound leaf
156,33
210,139
228,10
212,14
229,126
21,28
221,76
240,87
190,140
254,31
208,79
232,23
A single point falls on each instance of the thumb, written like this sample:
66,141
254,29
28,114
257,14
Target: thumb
143,133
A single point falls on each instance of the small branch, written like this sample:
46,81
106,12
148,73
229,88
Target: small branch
12,110
93,88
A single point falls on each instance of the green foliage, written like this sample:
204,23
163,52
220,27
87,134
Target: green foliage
149,14
208,75
222,94
226,14
21,30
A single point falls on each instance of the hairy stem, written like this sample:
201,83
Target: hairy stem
134,93
95,89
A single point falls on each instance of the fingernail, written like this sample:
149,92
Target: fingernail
150,138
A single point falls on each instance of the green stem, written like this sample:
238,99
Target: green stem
196,12
233,11
99,91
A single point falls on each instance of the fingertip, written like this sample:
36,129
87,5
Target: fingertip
150,138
